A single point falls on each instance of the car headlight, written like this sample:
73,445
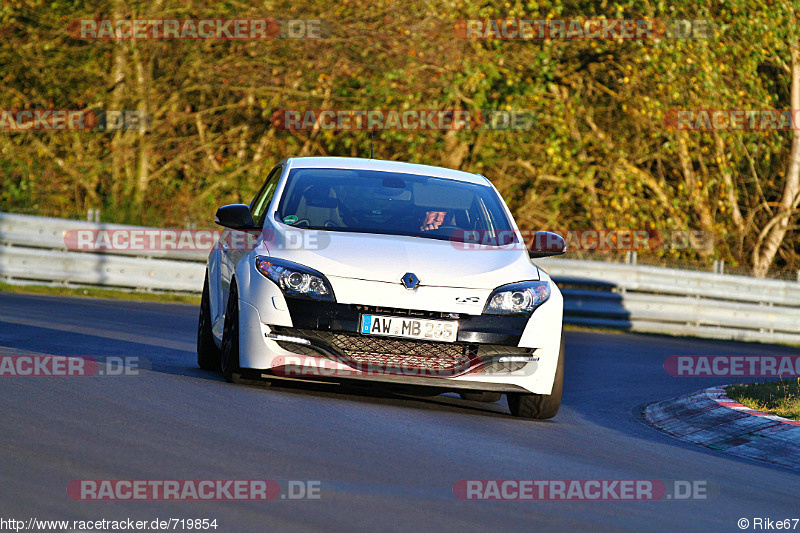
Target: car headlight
518,298
295,280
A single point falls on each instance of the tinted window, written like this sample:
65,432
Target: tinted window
370,201
260,203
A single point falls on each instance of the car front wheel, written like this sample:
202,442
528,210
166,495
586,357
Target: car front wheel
230,338
208,355
540,406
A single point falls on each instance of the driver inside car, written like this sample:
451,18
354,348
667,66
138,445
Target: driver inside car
432,220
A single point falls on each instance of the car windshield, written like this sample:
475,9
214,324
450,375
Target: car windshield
369,201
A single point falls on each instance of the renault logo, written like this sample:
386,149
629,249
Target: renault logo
409,281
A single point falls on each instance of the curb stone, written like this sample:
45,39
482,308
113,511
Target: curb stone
710,418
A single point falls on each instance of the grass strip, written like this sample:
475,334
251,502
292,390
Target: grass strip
96,292
780,398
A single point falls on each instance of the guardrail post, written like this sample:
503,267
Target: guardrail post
719,267
631,257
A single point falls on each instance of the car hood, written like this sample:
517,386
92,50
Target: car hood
387,258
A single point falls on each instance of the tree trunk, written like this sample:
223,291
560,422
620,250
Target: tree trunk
698,195
118,68
771,237
143,72
727,179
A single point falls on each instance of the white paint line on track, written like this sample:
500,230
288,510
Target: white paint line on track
103,333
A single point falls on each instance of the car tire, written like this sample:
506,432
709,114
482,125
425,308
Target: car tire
540,406
208,355
230,338
485,396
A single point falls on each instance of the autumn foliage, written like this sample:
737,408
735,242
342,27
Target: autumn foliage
600,154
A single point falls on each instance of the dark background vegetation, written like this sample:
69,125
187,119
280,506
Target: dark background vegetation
599,156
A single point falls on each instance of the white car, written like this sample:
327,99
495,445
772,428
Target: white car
409,276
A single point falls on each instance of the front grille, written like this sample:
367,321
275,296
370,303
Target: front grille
435,358
402,356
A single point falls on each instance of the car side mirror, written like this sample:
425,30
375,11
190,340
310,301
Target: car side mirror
234,216
546,244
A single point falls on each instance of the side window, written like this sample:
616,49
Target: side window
262,199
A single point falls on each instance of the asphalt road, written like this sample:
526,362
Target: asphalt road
384,462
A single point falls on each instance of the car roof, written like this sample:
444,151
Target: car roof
355,163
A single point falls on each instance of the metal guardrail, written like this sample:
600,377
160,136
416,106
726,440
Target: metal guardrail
677,302
33,249
49,233
632,297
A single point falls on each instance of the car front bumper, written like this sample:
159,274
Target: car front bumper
314,340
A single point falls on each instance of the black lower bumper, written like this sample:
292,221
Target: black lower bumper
484,344
345,318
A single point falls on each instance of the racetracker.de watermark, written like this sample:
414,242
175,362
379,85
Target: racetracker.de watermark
309,367
122,240
579,489
73,120
193,489
576,29
70,366
733,119
401,119
754,366
588,240
194,29
183,240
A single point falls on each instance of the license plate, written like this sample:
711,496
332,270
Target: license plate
410,328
